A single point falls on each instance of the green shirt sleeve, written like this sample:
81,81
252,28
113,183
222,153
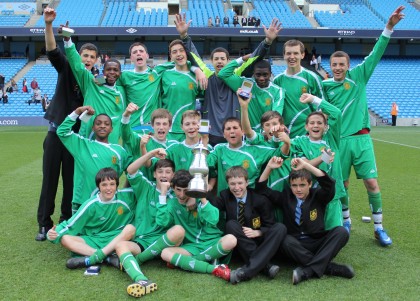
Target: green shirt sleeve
227,74
82,75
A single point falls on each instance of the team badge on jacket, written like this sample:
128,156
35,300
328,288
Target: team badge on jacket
256,223
313,215
346,86
245,164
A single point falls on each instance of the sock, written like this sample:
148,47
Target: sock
131,267
345,205
154,249
375,203
191,264
95,258
214,252
346,215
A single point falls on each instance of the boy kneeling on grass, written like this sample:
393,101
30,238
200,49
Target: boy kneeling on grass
307,242
99,224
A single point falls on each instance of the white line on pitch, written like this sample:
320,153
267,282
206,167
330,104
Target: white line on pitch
390,142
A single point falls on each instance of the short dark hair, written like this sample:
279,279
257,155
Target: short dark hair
112,61
89,46
292,43
270,115
137,44
236,172
161,113
219,49
317,113
341,54
181,178
263,64
162,163
300,174
106,173
231,119
102,114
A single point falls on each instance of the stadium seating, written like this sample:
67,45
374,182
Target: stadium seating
352,16
88,15
9,67
46,77
200,11
370,14
13,20
124,14
279,9
384,10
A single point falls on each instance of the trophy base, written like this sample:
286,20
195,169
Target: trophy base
196,193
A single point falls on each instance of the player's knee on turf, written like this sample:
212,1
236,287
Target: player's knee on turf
228,242
167,254
123,247
128,232
176,234
67,241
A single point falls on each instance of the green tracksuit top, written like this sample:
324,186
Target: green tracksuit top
143,88
98,219
263,99
179,90
294,112
200,225
105,99
250,157
147,196
89,157
349,95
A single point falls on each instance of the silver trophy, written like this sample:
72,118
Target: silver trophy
197,187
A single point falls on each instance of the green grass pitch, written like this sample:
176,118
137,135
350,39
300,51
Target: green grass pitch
33,270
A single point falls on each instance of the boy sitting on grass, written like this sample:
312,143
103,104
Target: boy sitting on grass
88,233
250,218
307,242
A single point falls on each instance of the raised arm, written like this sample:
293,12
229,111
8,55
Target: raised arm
136,165
246,125
49,17
395,18
260,52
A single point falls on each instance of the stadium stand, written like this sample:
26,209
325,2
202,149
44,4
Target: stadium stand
88,15
46,77
351,16
384,9
9,67
369,14
13,20
125,14
200,11
281,10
